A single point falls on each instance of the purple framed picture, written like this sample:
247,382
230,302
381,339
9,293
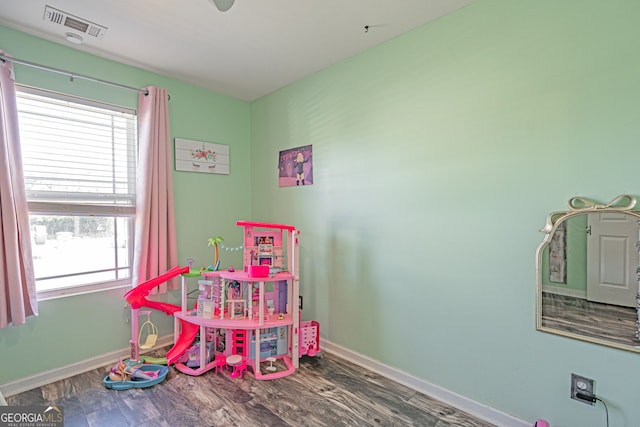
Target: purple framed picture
295,167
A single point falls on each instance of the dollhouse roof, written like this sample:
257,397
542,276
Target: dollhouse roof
265,225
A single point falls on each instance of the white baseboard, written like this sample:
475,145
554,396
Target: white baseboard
465,404
559,290
47,377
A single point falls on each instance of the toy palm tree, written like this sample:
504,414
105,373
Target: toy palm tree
214,241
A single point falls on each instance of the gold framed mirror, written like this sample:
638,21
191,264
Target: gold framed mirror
588,273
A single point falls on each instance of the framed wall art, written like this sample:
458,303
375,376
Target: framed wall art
295,166
203,157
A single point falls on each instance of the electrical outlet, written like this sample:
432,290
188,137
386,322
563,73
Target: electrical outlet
582,385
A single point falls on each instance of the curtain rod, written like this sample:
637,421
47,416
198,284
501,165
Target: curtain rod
4,58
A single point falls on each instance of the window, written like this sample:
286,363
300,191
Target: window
79,161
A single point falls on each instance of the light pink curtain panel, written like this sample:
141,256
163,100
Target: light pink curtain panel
18,299
155,239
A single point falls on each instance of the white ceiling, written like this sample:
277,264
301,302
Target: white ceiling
254,48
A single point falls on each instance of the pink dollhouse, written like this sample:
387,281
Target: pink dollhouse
248,319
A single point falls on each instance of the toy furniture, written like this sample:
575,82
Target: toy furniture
239,365
243,318
256,307
149,331
309,338
220,362
271,359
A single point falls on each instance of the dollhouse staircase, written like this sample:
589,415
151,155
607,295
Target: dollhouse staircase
239,342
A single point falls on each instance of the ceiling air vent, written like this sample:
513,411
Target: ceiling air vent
83,26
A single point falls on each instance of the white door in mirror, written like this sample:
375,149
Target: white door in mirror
612,259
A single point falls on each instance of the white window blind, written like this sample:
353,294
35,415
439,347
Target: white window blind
77,153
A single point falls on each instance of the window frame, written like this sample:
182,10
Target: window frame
67,208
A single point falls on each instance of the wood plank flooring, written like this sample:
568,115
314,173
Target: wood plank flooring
592,319
325,391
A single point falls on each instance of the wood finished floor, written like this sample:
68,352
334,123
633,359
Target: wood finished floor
325,391
592,319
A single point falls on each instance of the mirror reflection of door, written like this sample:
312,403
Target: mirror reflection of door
598,302
612,259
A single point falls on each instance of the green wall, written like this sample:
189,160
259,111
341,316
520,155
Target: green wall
206,205
437,157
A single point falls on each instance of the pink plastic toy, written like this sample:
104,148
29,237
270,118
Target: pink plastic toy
258,308
137,298
255,320
221,362
258,270
309,338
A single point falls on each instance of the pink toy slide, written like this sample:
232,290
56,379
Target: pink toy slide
187,335
137,298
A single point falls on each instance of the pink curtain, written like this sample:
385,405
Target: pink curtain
18,298
155,239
